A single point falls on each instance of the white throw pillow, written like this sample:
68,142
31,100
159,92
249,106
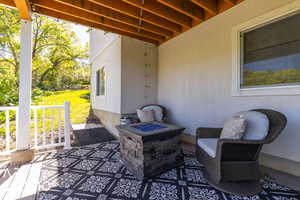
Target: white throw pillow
257,125
145,115
157,110
234,128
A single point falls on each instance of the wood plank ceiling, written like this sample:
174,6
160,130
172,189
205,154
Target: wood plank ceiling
154,21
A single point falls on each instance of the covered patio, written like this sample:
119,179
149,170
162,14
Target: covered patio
202,60
94,172
153,22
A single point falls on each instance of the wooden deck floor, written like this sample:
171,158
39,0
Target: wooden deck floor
21,182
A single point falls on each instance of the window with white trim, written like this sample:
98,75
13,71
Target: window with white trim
267,57
100,82
271,54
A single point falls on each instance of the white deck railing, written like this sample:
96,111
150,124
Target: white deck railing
50,127
8,111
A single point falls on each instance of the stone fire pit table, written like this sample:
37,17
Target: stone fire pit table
148,149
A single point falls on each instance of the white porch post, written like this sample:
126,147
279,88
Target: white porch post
23,126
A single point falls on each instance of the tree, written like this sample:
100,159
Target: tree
56,52
55,49
9,41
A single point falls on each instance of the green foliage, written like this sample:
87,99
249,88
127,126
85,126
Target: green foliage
8,91
9,51
59,62
58,58
271,77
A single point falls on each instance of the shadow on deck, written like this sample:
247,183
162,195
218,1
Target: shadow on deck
85,134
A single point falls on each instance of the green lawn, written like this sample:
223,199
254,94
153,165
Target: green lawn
79,105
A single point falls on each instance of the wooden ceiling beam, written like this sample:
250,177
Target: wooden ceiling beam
230,2
24,9
133,11
117,16
185,7
163,11
208,5
74,12
59,15
9,3
121,17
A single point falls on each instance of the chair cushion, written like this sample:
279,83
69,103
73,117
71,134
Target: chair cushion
234,128
158,112
145,115
209,145
257,125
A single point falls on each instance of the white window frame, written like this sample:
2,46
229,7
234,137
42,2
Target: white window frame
237,57
105,82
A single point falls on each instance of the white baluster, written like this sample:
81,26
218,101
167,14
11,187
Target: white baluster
7,131
67,125
59,125
44,125
35,127
17,124
52,126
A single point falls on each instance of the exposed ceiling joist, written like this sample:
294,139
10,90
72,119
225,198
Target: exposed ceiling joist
185,7
74,12
24,9
208,5
162,11
133,11
10,3
154,21
117,16
231,2
59,15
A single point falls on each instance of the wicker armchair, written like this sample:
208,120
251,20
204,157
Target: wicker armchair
235,167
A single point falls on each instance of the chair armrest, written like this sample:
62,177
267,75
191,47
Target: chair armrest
238,150
233,141
208,132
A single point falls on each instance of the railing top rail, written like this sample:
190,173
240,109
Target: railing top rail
32,107
8,108
51,106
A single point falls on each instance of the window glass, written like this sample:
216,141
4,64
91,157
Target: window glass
100,82
271,54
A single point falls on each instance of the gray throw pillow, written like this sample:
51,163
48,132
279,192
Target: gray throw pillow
234,128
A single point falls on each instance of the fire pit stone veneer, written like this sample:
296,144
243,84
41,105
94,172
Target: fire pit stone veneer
148,149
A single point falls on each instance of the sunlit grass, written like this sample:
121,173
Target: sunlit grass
79,105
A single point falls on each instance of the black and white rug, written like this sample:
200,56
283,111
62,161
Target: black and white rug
94,172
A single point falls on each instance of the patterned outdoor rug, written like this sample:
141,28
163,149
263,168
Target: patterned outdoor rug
94,172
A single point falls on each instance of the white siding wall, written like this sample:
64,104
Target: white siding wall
195,79
99,40
124,59
106,51
138,90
